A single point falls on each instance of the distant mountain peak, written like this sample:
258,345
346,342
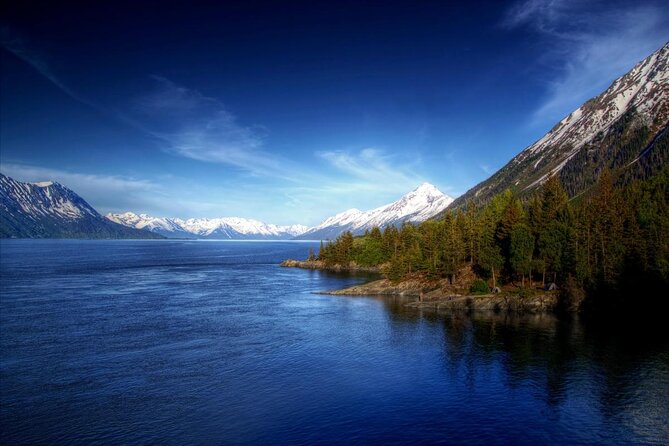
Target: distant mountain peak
49,209
416,206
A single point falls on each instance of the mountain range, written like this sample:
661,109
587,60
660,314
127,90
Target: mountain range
232,228
622,129
51,210
416,206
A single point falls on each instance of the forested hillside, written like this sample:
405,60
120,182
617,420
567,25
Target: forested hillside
611,242
624,127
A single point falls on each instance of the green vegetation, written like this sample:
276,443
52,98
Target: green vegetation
609,242
479,286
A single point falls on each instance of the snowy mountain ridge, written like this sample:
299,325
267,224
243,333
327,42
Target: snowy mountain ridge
616,129
644,88
416,206
50,210
45,199
215,228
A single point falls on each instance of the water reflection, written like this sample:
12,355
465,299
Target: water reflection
614,365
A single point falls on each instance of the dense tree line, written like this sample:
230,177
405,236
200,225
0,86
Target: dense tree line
610,238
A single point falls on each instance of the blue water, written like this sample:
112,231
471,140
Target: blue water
189,342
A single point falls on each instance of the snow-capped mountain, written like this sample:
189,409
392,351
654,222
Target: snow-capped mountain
213,228
237,227
416,206
617,129
166,227
51,210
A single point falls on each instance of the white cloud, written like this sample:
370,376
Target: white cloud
199,127
373,169
185,122
364,179
590,43
539,14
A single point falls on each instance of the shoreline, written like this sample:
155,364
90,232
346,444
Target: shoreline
435,294
352,267
443,299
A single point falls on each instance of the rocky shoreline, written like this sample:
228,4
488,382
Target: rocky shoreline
436,295
352,267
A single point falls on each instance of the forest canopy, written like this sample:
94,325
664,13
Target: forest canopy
613,240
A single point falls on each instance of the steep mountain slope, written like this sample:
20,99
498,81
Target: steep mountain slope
231,228
416,206
50,210
623,128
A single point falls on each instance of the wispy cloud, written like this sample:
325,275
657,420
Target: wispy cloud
24,50
486,168
588,44
199,127
185,122
373,169
105,192
364,178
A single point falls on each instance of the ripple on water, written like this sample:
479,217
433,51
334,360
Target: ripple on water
186,342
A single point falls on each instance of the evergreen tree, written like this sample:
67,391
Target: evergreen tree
607,228
321,252
453,246
511,216
521,248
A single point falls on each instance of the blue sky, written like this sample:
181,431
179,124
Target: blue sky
289,112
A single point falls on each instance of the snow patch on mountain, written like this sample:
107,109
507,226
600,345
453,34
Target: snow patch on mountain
45,199
418,205
223,228
644,88
50,210
342,219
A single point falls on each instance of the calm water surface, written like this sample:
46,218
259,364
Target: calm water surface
186,342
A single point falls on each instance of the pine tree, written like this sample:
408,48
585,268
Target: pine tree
607,228
511,216
521,248
453,246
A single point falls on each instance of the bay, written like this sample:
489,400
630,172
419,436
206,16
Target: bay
206,342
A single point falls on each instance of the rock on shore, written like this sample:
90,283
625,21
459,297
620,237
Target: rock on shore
411,288
443,296
320,265
540,303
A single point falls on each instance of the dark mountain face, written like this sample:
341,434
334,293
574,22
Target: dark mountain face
623,129
50,210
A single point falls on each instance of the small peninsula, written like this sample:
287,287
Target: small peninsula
438,294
